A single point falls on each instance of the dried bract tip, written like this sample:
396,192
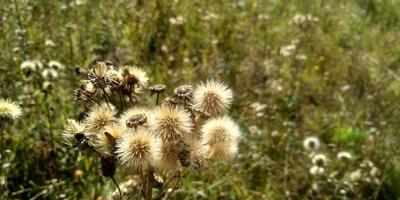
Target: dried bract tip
139,151
212,97
9,109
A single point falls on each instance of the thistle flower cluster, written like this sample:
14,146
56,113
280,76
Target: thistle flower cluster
182,131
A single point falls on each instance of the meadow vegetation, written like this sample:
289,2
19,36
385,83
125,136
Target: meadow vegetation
315,87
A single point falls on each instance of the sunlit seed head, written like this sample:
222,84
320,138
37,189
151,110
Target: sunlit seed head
344,156
212,97
134,117
9,109
317,170
133,75
171,124
320,160
99,117
73,127
220,131
28,66
55,65
114,75
140,150
169,155
356,175
222,152
311,143
106,140
49,73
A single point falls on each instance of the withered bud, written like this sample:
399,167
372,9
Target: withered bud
184,158
136,120
184,91
157,89
82,142
170,101
108,165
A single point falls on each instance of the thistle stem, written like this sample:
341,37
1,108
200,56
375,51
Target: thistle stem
158,96
118,188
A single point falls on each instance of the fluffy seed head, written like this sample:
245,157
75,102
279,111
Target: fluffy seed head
99,117
171,124
49,73
140,150
344,156
197,153
135,117
311,143
73,127
28,65
220,131
134,76
316,170
106,140
319,160
9,109
212,97
222,152
55,65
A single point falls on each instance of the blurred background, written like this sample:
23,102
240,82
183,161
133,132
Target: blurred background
299,68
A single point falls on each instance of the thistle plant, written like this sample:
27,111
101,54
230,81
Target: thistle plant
156,141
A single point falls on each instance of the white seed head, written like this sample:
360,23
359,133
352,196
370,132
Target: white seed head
317,170
344,156
220,131
171,124
99,117
9,109
140,150
212,97
320,160
311,143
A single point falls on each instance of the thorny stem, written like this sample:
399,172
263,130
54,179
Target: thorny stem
118,188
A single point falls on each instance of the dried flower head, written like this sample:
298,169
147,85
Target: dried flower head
135,117
140,150
99,76
319,160
157,89
9,109
170,102
344,156
184,92
317,170
311,143
212,97
171,124
75,134
99,117
220,131
106,141
134,77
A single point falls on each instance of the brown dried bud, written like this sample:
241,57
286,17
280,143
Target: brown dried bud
170,101
157,89
108,165
184,91
136,120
